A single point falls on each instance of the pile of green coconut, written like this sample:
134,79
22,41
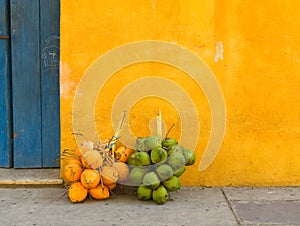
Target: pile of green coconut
156,165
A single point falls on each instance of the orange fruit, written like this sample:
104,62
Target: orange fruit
112,186
123,170
90,178
92,159
78,153
99,192
122,153
72,171
86,146
109,175
74,160
77,192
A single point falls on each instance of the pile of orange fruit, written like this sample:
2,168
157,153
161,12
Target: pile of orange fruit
94,171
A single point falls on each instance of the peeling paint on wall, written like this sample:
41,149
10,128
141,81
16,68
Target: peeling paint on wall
66,83
219,51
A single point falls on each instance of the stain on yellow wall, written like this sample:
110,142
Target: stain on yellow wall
251,47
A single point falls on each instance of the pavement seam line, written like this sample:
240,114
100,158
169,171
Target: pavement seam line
236,217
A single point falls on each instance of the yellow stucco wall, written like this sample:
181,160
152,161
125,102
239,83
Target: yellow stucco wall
258,73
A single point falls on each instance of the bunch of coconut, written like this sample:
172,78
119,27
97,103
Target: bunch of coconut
156,165
94,171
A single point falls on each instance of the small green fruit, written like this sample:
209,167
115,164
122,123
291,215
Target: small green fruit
140,143
136,175
144,193
164,172
172,184
168,143
158,155
151,142
131,159
175,148
189,156
142,159
179,172
176,160
151,180
160,195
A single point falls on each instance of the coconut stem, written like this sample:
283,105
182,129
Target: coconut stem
159,124
117,133
169,130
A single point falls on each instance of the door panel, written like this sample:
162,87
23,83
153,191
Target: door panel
26,92
49,37
5,129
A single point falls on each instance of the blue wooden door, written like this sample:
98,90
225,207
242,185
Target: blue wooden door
5,107
34,54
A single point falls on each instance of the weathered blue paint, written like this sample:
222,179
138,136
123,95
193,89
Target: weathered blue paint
32,54
26,92
49,37
5,125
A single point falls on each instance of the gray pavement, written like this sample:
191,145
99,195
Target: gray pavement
188,206
38,197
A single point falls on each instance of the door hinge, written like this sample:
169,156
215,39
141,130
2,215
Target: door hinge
4,37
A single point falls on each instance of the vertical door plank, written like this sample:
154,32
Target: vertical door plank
5,110
26,99
49,36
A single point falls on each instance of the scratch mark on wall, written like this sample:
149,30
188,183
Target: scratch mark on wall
50,52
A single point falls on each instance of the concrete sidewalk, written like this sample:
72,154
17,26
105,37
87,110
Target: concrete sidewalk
21,204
